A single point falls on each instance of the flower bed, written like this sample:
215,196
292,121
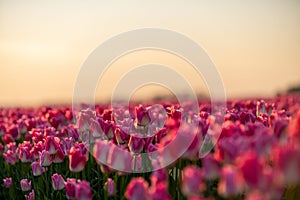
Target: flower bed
47,153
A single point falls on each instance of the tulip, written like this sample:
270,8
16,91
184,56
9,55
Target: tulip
231,183
7,182
14,132
24,154
45,158
121,136
136,144
142,116
137,189
37,169
30,196
96,129
57,182
211,167
192,183
119,159
10,157
70,186
59,157
52,144
66,145
110,187
287,160
77,160
83,191
101,150
25,185
159,191
251,168
159,176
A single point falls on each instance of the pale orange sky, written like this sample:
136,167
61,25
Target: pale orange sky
255,45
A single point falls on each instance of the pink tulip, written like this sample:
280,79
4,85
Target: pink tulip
159,191
24,154
287,160
83,191
45,158
57,182
52,144
59,157
136,144
251,168
101,150
96,129
142,116
110,187
11,146
294,127
159,176
121,136
7,138
10,157
37,169
256,195
25,185
66,145
192,183
211,167
7,182
231,183
77,160
30,196
36,149
14,132
70,186
137,189
119,158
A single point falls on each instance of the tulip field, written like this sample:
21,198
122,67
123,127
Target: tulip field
53,152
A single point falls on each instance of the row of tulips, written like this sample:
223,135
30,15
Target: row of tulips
137,153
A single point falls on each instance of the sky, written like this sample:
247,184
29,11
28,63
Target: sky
255,45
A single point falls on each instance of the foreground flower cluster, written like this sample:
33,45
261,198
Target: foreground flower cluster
49,153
